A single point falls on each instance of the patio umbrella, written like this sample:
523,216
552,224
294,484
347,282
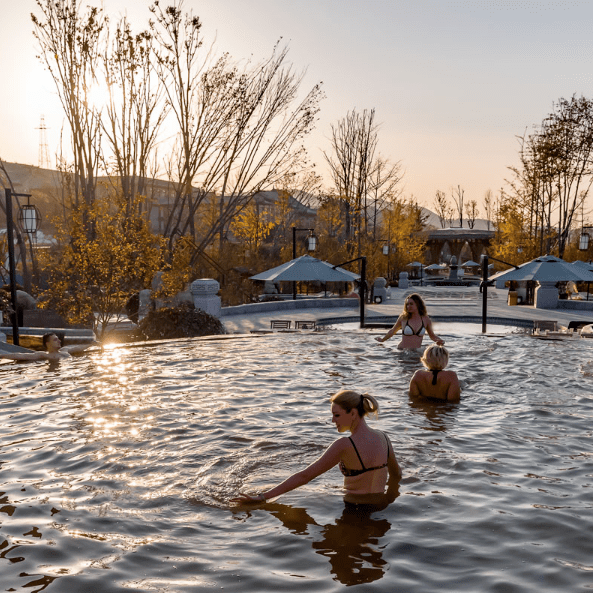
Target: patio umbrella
304,269
415,264
547,268
436,267
470,264
583,265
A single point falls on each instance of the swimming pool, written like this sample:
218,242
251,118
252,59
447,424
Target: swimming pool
116,469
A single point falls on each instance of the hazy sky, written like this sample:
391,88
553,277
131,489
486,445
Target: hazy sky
453,82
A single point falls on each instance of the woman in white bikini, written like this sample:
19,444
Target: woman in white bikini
366,458
414,323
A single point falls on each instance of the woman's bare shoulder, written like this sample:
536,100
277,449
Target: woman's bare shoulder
449,374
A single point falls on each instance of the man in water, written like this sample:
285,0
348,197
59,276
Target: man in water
53,347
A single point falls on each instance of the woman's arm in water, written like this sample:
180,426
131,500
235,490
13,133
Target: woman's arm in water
23,355
78,348
454,390
395,474
329,459
395,471
392,331
413,389
431,333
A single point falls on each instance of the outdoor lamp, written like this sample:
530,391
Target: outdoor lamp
584,242
29,218
312,243
385,249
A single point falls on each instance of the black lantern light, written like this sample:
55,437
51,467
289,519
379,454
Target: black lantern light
29,218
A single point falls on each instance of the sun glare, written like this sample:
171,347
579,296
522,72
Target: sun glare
98,96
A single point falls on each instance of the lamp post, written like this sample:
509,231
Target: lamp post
584,246
311,246
385,251
362,287
584,239
484,286
29,219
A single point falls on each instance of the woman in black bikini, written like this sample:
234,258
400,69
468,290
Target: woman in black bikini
414,322
435,382
366,458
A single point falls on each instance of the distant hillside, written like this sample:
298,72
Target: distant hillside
45,185
481,224
30,179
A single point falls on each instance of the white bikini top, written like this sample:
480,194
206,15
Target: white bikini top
409,331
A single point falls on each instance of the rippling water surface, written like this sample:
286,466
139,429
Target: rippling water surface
116,469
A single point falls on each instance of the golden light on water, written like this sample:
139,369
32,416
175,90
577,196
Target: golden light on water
114,409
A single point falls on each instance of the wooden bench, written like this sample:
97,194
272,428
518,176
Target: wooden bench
302,324
280,323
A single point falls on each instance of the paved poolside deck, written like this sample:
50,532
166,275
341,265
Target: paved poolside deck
443,303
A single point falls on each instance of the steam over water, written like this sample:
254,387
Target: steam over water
116,469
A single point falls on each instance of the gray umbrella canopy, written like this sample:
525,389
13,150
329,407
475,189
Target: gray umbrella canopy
584,265
547,268
306,268
415,264
435,267
470,264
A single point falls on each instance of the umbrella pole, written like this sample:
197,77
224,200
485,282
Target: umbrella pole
361,288
293,257
484,292
363,278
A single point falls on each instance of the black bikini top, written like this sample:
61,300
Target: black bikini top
356,472
434,376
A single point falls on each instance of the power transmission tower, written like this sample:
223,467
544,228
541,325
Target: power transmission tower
43,149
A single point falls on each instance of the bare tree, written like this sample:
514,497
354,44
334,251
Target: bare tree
488,206
471,212
135,111
359,177
264,134
353,140
442,209
457,195
70,42
193,100
239,130
384,188
304,186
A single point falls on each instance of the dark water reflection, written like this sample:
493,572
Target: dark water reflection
116,469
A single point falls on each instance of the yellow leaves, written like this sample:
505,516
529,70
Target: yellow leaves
250,226
105,256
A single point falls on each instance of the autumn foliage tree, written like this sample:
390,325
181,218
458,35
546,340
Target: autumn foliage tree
91,280
403,228
555,173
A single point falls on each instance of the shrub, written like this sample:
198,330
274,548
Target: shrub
179,322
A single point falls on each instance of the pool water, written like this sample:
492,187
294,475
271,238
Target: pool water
116,469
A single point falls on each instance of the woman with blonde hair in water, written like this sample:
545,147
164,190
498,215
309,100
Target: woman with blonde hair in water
366,458
435,382
414,323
